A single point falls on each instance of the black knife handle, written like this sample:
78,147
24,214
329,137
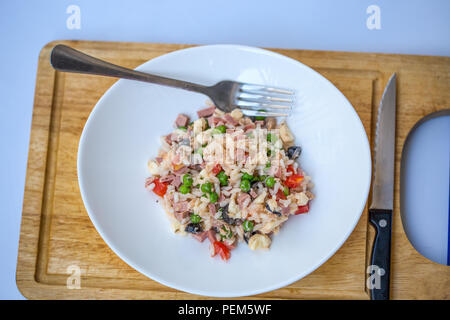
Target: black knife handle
381,254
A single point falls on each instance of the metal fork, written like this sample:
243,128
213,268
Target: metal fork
253,99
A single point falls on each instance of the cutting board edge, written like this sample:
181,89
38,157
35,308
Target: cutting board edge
23,285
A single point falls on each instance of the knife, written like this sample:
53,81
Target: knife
380,211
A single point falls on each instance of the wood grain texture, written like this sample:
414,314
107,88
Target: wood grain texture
56,231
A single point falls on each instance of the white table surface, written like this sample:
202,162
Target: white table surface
406,26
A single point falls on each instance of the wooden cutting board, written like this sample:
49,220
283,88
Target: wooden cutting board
56,232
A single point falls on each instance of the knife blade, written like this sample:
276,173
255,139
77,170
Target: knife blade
382,205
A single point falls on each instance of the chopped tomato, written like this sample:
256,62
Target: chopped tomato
160,187
222,250
281,195
302,209
217,169
290,168
294,180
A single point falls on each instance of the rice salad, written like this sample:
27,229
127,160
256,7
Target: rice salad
229,178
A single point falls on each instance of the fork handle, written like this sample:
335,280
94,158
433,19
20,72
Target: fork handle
64,58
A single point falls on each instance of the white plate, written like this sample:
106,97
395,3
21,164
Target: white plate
123,132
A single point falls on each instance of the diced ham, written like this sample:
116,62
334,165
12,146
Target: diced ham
212,208
196,167
211,235
167,178
168,138
243,200
181,120
181,206
231,120
285,210
206,112
211,121
249,127
176,182
181,171
221,197
253,193
201,236
277,173
180,216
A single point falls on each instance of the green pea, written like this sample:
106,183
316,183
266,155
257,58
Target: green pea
223,178
248,225
271,137
222,128
195,218
182,128
213,197
260,117
206,187
187,180
184,189
286,191
245,185
262,177
269,152
270,182
247,176
268,164
219,129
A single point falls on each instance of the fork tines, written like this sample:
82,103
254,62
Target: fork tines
259,100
